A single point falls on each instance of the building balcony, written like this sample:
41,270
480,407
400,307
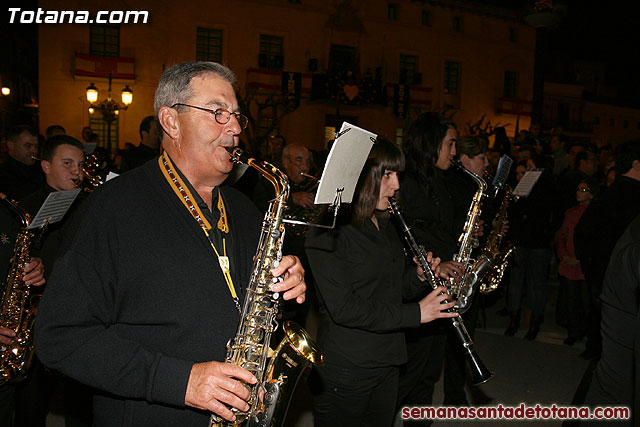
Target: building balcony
520,107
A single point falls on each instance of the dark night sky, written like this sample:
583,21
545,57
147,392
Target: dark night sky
593,30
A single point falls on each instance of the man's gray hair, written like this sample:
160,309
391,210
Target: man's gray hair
286,151
174,88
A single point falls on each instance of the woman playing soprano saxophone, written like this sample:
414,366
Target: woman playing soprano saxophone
361,279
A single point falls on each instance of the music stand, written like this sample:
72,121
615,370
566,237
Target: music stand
342,170
54,208
524,187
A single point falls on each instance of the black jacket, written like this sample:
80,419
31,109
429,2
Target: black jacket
431,216
361,279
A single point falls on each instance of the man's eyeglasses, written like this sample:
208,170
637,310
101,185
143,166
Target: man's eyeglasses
584,190
221,115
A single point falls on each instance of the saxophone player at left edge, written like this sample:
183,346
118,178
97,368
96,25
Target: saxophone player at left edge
61,161
17,276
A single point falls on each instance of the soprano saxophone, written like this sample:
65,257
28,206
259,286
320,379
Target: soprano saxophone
479,371
19,306
464,288
278,371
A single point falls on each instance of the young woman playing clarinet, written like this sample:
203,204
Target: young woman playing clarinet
361,279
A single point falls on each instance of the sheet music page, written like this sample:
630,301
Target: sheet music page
111,175
54,208
344,164
524,187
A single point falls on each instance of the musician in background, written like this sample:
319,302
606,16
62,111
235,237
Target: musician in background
275,146
471,152
62,163
429,209
296,161
148,148
19,174
531,232
139,306
361,279
20,403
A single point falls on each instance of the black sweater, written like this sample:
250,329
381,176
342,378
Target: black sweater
139,297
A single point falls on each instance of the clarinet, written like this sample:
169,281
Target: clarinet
479,371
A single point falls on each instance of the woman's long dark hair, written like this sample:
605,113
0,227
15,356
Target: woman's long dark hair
422,145
384,155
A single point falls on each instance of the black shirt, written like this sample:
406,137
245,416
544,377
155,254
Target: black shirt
361,280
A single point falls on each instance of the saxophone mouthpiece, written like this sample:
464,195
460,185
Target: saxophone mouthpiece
237,155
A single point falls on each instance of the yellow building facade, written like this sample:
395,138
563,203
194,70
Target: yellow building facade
354,60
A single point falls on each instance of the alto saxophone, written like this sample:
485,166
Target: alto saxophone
479,372
19,306
464,288
278,371
494,259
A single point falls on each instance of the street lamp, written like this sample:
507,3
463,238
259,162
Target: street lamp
6,91
109,108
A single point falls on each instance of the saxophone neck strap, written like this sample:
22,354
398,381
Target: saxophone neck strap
184,194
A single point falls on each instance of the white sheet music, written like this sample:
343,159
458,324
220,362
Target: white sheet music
54,208
524,187
344,164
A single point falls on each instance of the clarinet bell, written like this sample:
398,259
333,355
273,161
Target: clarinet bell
480,373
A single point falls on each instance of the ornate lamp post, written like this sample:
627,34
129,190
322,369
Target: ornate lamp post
109,108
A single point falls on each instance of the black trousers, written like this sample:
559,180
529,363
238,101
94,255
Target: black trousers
354,396
27,400
425,350
578,305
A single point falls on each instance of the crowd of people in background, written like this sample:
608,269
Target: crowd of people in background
584,200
